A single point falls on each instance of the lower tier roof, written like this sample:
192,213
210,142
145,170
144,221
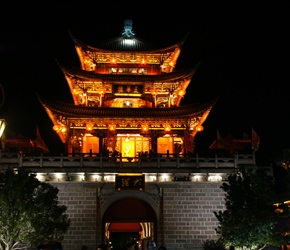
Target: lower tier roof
71,110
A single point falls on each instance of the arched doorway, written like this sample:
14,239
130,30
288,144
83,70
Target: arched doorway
129,219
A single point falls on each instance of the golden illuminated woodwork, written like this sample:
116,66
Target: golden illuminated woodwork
114,78
102,92
91,93
165,59
59,128
91,144
132,145
136,123
167,128
199,128
112,127
128,148
164,145
145,127
89,126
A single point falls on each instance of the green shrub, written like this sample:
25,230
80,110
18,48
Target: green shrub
213,245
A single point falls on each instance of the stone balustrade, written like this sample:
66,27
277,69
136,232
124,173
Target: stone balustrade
170,163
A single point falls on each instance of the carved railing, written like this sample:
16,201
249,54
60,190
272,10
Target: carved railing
174,162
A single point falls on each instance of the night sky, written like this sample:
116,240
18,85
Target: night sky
242,47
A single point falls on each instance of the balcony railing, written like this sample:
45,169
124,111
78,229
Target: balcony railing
166,162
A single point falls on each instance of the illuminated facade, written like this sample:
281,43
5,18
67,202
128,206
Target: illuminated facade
127,99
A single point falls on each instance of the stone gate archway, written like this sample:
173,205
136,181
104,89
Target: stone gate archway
129,219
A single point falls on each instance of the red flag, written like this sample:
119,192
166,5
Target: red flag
188,142
221,144
229,143
255,140
39,143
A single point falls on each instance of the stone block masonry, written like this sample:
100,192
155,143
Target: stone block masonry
184,211
188,213
80,199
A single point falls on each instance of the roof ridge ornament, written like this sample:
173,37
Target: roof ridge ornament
128,32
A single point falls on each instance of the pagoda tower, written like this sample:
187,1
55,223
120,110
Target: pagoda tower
127,99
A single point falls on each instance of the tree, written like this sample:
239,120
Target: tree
29,211
249,219
213,245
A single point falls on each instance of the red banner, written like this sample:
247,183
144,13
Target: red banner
39,142
188,142
255,140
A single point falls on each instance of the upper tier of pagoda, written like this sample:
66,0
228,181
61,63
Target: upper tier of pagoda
89,88
127,72
128,51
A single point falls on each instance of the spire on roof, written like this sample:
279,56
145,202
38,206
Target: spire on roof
128,32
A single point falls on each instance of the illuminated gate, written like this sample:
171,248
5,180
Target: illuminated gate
129,217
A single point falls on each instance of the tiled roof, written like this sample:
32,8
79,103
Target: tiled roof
172,76
122,43
74,111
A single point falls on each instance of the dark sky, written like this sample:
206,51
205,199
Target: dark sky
242,47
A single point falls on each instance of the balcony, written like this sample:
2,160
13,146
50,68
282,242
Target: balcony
159,163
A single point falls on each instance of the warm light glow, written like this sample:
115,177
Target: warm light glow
154,92
89,127
59,176
97,177
2,126
40,177
181,93
145,127
56,127
167,128
172,63
199,128
113,61
102,92
143,61
63,129
164,177
127,103
112,127
214,178
196,178
129,174
109,177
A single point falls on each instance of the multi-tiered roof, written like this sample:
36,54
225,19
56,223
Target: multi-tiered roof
126,87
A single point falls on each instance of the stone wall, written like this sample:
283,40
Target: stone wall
184,211
188,213
80,199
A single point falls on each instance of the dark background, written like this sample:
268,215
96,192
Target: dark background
242,47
